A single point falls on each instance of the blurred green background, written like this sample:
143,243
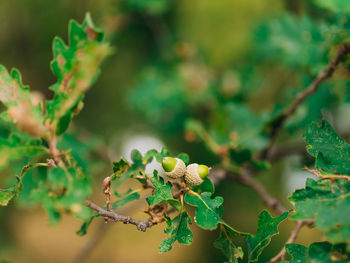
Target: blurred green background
175,60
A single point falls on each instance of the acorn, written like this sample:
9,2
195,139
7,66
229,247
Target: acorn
195,173
174,167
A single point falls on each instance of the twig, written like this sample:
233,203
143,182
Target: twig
91,244
107,192
279,153
302,96
54,152
246,179
113,216
293,235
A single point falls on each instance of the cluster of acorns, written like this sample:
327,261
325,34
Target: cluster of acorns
176,168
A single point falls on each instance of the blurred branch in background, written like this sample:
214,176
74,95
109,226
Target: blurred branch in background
278,124
92,243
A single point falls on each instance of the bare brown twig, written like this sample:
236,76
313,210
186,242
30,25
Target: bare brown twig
292,237
246,179
113,216
107,192
275,204
278,124
53,150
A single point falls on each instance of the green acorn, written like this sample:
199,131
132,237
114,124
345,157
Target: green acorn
195,174
174,167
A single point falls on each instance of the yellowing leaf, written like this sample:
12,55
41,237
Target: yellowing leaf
76,67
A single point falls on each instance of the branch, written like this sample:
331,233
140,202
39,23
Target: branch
275,204
91,244
246,179
279,153
293,235
303,95
115,217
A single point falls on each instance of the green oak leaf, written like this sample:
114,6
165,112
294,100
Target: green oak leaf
67,191
184,157
126,198
120,166
80,149
320,252
21,110
123,170
332,153
84,227
149,155
226,244
76,67
57,178
267,228
17,146
337,6
281,40
136,156
209,211
163,153
298,252
7,194
42,195
206,186
162,194
178,230
328,204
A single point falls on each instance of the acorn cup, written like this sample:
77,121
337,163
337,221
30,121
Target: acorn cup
174,167
195,173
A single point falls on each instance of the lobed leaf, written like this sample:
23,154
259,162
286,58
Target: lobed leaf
120,166
328,204
16,146
206,186
178,230
226,244
267,228
281,40
332,153
83,229
162,194
124,170
6,195
69,194
209,211
337,6
76,67
125,199
320,252
20,108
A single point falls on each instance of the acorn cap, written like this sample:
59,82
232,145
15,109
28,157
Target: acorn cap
196,173
174,167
